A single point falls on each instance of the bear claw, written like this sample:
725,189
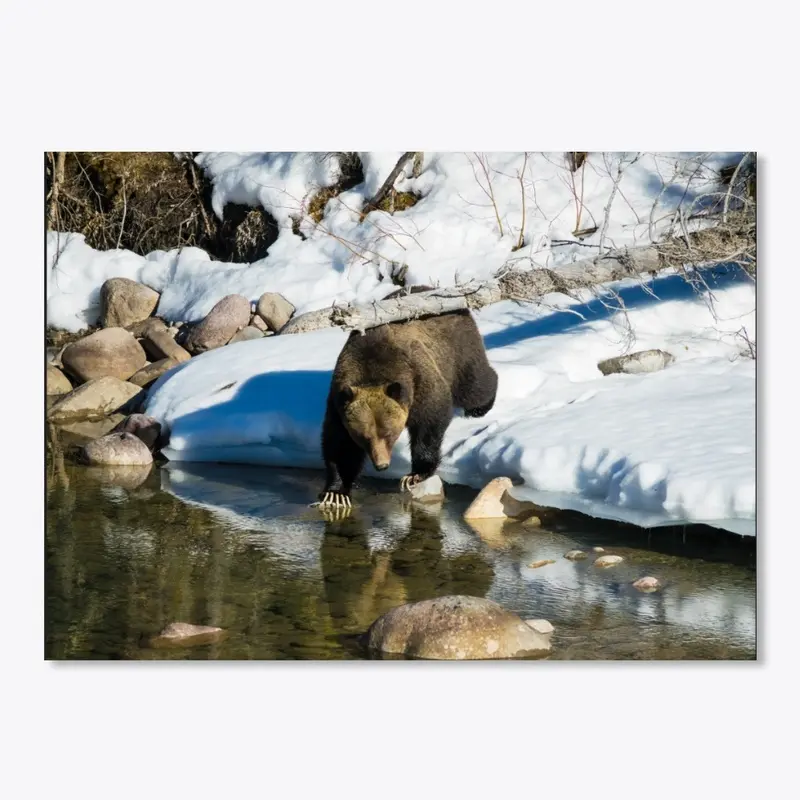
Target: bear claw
407,481
334,500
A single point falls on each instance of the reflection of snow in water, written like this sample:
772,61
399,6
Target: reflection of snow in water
251,508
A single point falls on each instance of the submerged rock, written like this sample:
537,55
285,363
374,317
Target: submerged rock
575,555
112,352
184,634
455,628
637,363
647,584
608,561
543,563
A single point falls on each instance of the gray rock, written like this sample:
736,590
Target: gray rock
113,352
117,449
142,426
185,634
246,334
311,321
159,344
56,382
228,316
124,302
453,628
96,399
647,584
637,363
152,372
575,555
275,310
542,626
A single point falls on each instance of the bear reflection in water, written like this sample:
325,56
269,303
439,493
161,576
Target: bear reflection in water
364,579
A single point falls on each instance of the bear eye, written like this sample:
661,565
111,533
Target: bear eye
396,391
345,395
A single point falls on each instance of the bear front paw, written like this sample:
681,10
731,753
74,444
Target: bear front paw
407,481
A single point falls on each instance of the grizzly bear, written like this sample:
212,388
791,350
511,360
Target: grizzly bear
401,375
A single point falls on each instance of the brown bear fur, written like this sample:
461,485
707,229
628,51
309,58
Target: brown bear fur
402,375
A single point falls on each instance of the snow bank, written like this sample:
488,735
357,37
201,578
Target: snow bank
465,225
669,447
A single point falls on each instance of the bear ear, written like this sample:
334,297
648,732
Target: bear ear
397,392
345,394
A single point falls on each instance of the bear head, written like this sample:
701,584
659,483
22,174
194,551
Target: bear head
375,416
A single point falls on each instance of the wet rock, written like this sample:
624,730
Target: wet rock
489,502
454,628
430,490
183,634
598,549
637,363
575,555
56,382
143,427
542,563
542,626
532,521
124,302
159,344
647,584
246,334
228,316
608,561
152,372
113,352
495,501
275,310
310,321
95,399
117,449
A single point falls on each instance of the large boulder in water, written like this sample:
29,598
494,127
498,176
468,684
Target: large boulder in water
117,449
113,352
454,628
124,302
143,427
228,316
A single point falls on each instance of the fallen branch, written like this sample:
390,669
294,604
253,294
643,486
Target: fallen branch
522,287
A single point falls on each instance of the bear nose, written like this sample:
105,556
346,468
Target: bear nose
381,466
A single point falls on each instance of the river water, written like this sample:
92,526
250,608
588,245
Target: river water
129,551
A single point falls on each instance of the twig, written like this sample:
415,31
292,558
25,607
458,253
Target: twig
124,212
388,184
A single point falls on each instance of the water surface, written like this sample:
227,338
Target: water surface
239,548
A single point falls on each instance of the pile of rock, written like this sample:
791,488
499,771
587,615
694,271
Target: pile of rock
108,371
